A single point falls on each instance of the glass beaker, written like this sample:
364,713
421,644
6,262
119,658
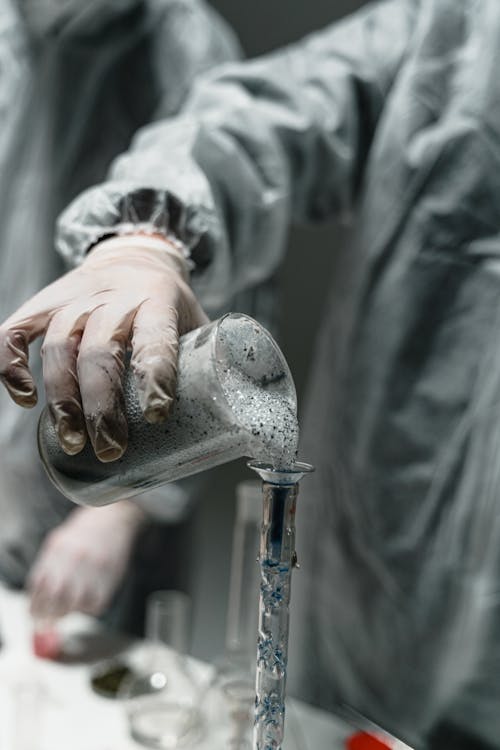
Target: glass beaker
235,397
163,701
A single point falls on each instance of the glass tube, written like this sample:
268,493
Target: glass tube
241,623
168,618
277,559
230,699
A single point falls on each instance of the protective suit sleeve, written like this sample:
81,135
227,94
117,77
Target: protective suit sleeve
191,38
258,144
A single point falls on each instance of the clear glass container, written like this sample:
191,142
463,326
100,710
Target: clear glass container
243,602
277,559
229,703
235,397
162,701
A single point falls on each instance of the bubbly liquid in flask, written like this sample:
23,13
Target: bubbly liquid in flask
269,417
235,397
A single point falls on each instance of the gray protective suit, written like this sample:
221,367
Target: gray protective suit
391,118
77,79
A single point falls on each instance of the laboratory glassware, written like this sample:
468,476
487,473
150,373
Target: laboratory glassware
230,699
241,620
162,701
366,728
277,558
235,397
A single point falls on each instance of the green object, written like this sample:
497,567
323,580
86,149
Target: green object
108,682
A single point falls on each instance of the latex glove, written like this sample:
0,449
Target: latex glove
83,561
130,292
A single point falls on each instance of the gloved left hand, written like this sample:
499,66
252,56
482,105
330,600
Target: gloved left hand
129,293
82,562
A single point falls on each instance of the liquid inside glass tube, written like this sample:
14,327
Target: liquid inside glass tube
277,559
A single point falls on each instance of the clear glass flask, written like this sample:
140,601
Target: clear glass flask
235,397
162,701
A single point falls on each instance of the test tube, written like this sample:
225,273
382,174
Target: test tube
241,625
229,701
277,559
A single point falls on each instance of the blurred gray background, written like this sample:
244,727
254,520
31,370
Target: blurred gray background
264,25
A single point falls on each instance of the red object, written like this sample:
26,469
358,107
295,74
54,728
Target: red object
47,643
366,741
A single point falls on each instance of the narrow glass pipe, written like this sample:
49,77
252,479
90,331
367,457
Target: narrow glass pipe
241,620
229,702
277,558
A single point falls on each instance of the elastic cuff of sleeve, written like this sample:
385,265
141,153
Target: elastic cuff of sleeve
112,209
151,212
158,212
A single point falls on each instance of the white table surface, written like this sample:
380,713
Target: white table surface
46,705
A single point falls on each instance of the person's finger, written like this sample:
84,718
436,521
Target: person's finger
47,594
88,602
100,368
14,368
95,600
59,353
81,591
90,586
58,597
35,586
192,315
21,329
155,346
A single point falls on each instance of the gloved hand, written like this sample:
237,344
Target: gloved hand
129,292
82,562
